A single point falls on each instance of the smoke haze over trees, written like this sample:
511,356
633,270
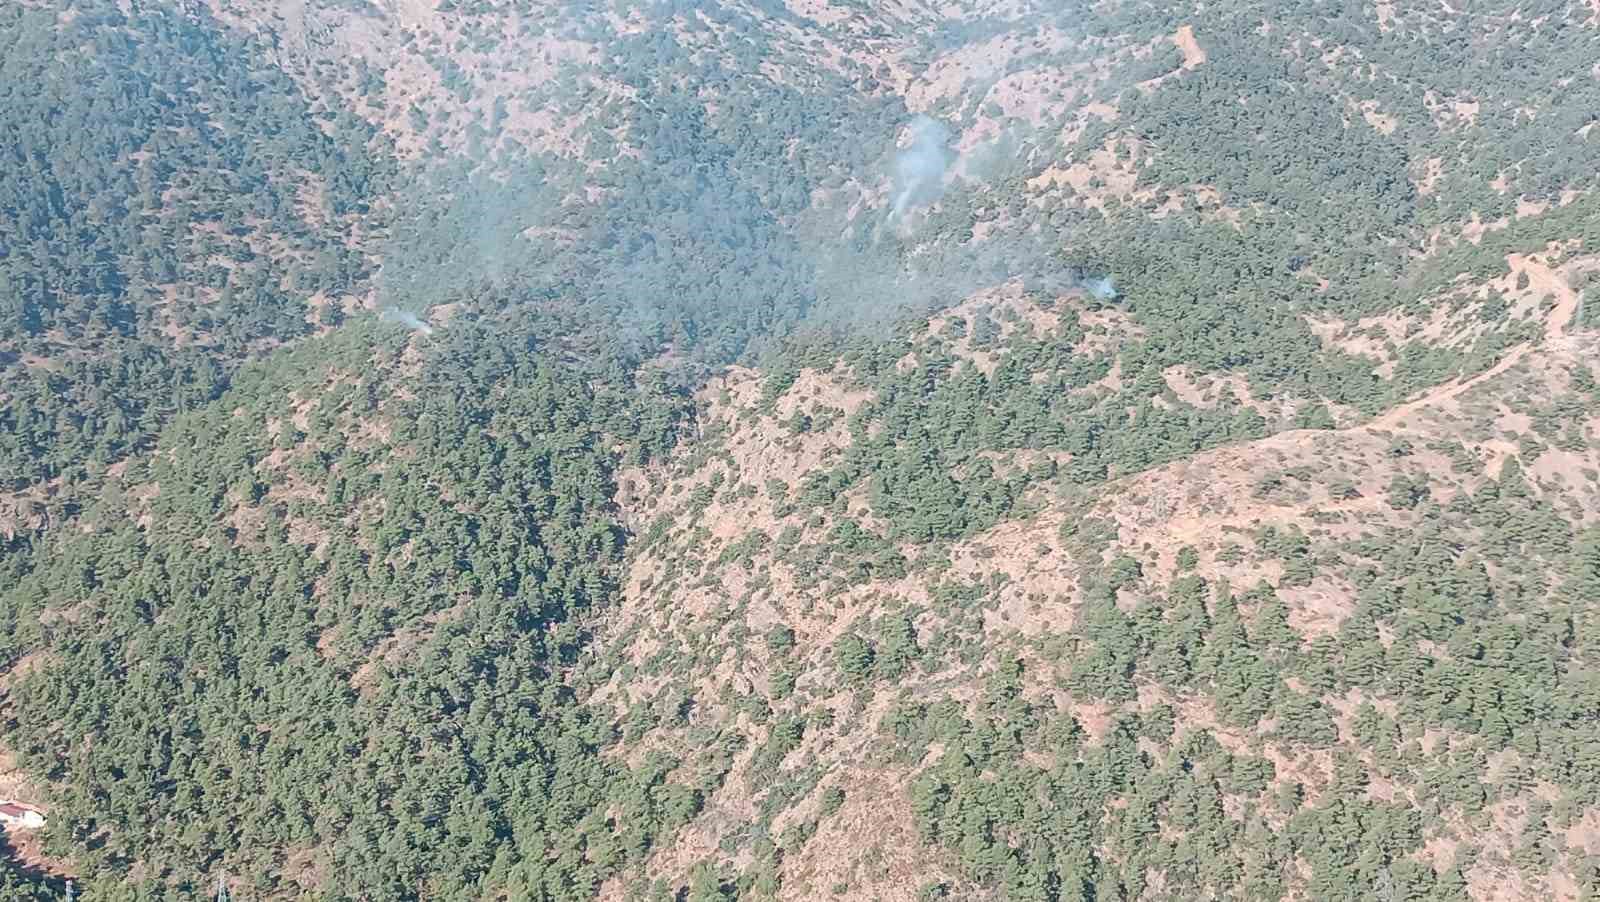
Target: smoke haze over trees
506,449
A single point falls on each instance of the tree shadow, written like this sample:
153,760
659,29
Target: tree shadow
14,870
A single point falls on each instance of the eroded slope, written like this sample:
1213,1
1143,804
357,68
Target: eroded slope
1342,656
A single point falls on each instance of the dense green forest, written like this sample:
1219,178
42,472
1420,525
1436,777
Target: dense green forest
513,450
156,229
470,569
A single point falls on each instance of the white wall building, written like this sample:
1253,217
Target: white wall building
14,815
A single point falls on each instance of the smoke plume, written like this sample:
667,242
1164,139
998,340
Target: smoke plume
919,169
405,318
1101,288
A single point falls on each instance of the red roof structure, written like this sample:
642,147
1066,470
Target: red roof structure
21,815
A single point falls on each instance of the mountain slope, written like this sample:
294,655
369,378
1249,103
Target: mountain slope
494,449
859,696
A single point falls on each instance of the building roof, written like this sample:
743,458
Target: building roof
13,810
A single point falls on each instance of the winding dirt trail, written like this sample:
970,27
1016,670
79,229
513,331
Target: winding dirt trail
1183,517
1541,279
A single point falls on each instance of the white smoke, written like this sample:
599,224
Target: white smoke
919,169
405,318
1100,288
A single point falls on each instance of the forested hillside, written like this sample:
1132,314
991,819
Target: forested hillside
170,208
518,449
